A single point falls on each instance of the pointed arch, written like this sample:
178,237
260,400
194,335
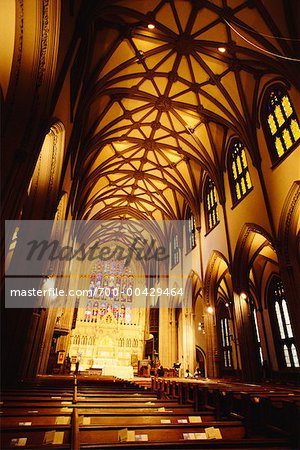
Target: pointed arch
281,323
196,286
211,204
216,268
279,121
289,225
252,240
43,190
238,170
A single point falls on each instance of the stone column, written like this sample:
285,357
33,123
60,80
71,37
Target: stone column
212,344
188,339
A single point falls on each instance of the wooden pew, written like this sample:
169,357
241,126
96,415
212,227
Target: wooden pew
247,443
35,427
35,438
124,420
242,402
111,405
157,433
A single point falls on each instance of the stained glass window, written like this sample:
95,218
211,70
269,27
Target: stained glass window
224,327
256,332
282,123
175,249
282,326
211,204
190,231
110,293
239,172
295,355
286,356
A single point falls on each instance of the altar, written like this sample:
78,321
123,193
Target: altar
118,371
113,367
109,331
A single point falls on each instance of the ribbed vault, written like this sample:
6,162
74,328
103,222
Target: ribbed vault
157,106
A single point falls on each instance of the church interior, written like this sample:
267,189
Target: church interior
168,124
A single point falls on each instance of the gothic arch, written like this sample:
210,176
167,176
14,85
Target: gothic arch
289,226
252,241
255,261
217,267
201,360
45,182
263,89
42,201
33,70
196,288
61,210
152,102
192,288
289,240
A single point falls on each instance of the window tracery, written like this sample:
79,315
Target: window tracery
211,204
239,174
281,122
287,354
224,327
190,231
110,293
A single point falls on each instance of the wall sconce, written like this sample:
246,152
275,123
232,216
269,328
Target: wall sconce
201,327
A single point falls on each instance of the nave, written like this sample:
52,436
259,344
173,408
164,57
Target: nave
85,412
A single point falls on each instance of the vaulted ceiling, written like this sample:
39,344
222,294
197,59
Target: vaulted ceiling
156,107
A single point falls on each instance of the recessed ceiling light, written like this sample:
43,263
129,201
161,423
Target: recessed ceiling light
222,49
151,26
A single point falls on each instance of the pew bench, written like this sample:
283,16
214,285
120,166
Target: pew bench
247,443
157,433
34,438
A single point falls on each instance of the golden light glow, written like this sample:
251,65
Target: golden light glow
210,310
243,295
151,26
222,49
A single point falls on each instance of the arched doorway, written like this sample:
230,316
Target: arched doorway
201,360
